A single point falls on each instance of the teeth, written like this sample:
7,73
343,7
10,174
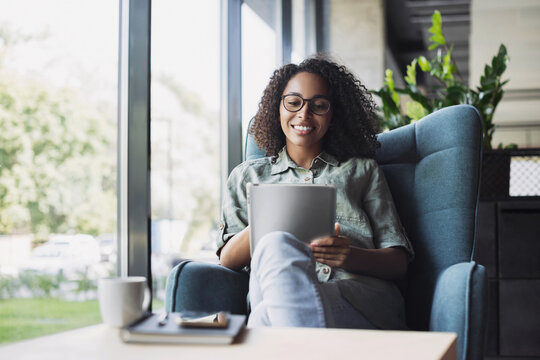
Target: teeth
303,128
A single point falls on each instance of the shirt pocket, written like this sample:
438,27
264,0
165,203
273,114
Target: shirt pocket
357,229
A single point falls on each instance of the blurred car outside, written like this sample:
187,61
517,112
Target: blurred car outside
67,255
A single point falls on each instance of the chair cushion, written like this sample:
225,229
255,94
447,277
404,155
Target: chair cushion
199,286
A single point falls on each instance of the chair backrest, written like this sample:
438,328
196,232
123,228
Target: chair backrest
432,167
433,170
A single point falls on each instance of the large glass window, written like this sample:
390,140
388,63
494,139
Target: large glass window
58,91
58,135
260,55
303,29
262,46
185,169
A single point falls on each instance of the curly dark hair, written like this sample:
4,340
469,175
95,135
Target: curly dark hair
353,128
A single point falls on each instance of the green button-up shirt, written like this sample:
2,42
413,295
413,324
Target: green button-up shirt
364,209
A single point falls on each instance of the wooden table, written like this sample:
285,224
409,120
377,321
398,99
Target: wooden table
103,342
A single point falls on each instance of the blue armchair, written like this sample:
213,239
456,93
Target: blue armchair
432,168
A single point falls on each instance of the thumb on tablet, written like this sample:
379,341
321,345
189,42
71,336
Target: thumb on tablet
337,227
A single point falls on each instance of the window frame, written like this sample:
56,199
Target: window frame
133,186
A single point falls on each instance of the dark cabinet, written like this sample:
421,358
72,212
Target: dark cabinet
519,317
508,245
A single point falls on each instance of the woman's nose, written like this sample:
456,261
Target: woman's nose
304,111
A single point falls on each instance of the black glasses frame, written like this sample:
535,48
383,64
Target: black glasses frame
309,103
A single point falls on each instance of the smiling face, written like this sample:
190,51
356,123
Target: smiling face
303,129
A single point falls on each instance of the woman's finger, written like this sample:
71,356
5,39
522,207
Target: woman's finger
329,250
331,241
331,256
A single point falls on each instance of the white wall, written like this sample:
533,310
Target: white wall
515,23
356,38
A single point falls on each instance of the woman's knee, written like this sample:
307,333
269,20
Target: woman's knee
280,242
280,250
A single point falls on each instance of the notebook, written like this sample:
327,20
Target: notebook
149,330
307,211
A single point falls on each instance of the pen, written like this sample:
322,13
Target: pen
162,320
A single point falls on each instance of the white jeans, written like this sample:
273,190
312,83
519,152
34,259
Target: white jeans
284,289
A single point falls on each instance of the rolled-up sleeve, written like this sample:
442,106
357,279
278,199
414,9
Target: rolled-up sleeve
234,213
379,206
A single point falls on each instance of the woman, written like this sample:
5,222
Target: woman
317,125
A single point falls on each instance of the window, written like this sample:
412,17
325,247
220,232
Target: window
59,131
260,55
303,29
273,33
58,91
191,46
185,106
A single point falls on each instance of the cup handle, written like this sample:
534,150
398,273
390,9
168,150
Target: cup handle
147,298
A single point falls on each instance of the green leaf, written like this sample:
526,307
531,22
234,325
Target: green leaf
389,105
437,38
433,46
497,98
415,110
501,60
457,94
419,97
395,98
436,19
502,54
424,64
411,73
388,79
395,121
447,68
488,83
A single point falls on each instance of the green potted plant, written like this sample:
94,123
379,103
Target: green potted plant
415,103
451,89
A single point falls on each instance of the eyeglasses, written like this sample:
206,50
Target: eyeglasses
319,105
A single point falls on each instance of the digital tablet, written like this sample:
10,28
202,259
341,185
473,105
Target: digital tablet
307,211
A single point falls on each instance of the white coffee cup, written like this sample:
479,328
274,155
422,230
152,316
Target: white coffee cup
122,300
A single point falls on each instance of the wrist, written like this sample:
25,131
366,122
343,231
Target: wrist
351,262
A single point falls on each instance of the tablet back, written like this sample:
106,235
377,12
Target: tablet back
307,211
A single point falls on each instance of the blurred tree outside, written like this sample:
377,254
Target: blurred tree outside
185,162
57,155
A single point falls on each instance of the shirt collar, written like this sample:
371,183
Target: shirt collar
327,158
283,162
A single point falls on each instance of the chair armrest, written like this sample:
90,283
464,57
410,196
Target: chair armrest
202,286
460,306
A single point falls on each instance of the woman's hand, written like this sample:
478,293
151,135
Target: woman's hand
331,250
335,251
